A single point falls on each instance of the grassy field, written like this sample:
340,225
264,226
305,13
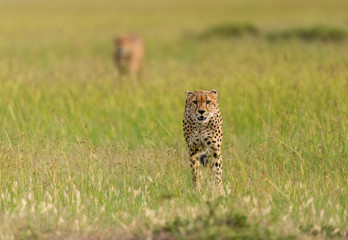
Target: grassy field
86,155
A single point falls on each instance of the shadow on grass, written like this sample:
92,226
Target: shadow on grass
214,224
234,30
315,33
228,30
325,230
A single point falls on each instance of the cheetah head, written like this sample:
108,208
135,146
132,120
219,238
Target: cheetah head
202,104
124,44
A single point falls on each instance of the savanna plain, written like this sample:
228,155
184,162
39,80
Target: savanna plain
87,155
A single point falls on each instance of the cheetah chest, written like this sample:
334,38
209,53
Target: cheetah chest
202,137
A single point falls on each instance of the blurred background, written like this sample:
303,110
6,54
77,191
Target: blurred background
56,64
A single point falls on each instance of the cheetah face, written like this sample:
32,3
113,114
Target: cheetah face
123,46
202,105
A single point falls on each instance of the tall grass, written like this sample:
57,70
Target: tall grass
314,33
86,155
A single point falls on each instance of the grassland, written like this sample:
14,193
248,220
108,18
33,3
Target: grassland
85,155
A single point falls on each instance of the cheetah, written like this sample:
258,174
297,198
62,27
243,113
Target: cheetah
202,127
129,55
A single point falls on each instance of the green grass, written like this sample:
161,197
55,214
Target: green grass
85,155
319,33
229,30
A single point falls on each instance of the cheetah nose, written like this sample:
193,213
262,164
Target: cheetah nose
201,111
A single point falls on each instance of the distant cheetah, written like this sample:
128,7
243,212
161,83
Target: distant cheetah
129,54
202,127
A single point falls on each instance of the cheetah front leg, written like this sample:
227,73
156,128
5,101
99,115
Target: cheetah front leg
197,159
216,171
196,174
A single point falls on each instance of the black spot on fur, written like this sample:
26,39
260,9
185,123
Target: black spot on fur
204,160
215,155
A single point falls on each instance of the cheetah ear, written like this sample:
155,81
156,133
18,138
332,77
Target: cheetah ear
188,93
214,91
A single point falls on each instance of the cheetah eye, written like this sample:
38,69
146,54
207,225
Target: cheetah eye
208,102
195,102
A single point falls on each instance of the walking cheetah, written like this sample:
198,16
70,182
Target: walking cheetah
202,127
129,54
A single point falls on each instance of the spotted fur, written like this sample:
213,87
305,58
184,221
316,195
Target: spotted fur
202,127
